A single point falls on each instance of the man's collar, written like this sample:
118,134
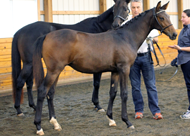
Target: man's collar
186,26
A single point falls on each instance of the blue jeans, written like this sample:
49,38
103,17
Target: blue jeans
142,64
186,73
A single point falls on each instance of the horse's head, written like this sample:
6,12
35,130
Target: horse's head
163,22
120,12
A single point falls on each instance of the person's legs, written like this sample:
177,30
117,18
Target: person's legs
135,78
186,74
149,79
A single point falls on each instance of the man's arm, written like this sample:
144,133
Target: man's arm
155,40
177,47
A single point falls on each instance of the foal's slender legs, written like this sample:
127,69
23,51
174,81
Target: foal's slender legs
52,116
24,76
96,84
113,92
50,97
124,75
42,91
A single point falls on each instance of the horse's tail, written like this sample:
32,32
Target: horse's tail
16,66
38,72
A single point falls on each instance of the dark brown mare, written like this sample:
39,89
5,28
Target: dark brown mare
114,51
22,48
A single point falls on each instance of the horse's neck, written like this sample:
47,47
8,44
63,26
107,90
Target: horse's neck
105,20
97,24
138,30
59,26
106,24
105,15
81,26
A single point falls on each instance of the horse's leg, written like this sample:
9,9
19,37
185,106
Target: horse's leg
23,76
40,98
20,84
96,84
42,91
113,92
29,83
124,76
52,116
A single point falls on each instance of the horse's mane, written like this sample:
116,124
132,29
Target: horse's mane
105,15
135,18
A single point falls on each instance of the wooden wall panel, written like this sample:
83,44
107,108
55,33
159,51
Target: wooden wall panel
5,64
180,11
146,5
102,5
48,10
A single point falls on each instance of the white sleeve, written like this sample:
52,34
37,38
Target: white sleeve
153,33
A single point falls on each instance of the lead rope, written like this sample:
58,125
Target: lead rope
149,41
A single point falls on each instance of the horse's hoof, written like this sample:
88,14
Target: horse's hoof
58,129
101,110
111,122
132,127
40,132
56,124
20,115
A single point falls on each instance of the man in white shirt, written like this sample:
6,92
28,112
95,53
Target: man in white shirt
143,65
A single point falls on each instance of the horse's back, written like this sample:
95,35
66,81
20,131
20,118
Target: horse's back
59,39
75,48
27,35
33,31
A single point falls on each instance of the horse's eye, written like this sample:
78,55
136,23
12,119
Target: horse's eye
125,9
161,18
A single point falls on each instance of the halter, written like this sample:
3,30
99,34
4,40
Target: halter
122,18
154,14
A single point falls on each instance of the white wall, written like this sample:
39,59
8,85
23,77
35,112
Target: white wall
18,13
15,14
186,4
73,5
110,3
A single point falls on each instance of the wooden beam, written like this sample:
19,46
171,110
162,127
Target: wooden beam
39,18
102,6
146,4
172,13
48,10
180,10
76,12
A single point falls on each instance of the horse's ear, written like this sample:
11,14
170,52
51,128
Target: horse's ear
164,7
158,6
127,1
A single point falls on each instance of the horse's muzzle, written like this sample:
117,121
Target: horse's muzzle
115,26
173,37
